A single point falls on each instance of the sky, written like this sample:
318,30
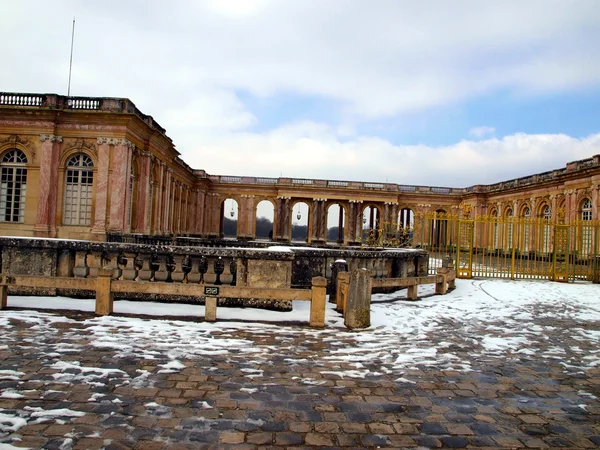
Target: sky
442,93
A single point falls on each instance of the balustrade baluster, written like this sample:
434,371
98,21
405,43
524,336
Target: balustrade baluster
178,275
162,273
81,269
145,273
130,271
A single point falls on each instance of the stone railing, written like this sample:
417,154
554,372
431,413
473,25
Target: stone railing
274,267
54,101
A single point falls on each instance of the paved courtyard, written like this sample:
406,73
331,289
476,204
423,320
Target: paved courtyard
490,365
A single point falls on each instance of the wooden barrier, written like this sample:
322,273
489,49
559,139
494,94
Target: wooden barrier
105,287
444,280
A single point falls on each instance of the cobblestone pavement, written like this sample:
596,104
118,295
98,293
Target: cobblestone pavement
290,393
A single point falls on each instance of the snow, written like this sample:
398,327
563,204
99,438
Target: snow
478,321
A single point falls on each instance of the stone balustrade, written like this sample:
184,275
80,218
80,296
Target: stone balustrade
274,267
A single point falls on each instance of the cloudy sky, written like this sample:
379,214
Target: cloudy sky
447,93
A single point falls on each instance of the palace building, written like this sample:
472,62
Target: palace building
90,168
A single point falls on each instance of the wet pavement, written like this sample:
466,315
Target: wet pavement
64,387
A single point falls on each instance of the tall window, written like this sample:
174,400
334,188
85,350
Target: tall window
526,225
509,229
586,230
78,191
547,213
13,186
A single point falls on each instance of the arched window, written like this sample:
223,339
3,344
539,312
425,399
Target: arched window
78,190
13,186
586,210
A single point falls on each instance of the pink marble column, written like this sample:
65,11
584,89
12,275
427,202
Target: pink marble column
158,186
199,203
48,186
143,194
119,185
101,182
250,217
595,197
166,200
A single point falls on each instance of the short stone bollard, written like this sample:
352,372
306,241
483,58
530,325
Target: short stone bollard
210,309
104,295
317,303
337,267
358,305
341,297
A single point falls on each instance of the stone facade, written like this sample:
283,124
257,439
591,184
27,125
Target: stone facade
137,185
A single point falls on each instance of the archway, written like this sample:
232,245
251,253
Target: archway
370,222
229,218
300,213
265,213
406,226
336,220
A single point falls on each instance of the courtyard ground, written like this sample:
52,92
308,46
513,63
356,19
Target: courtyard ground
498,364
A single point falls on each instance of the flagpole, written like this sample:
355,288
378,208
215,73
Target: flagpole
71,60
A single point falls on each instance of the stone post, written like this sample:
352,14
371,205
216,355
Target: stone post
358,307
338,266
3,293
104,295
317,304
342,292
412,292
210,309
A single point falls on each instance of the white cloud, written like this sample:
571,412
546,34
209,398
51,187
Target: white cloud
374,60
312,150
193,64
480,132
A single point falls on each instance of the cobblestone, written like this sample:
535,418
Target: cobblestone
296,398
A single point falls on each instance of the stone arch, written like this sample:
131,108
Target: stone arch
228,226
300,220
20,143
339,223
264,209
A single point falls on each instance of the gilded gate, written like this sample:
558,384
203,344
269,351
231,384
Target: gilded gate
512,247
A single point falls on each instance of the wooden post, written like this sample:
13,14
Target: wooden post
317,302
342,292
210,312
104,295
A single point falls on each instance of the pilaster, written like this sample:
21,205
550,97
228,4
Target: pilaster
48,186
